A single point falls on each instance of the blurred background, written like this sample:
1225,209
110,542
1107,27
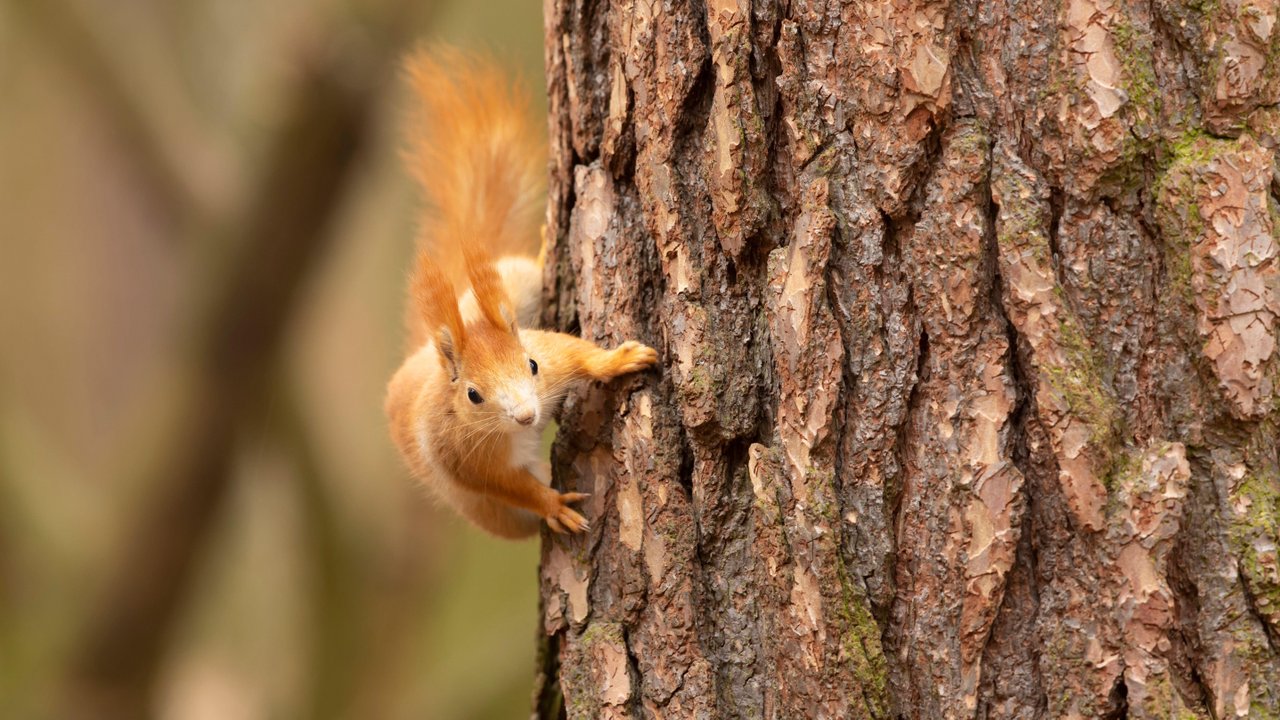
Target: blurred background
204,234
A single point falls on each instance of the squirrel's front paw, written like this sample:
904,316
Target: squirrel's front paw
561,518
629,357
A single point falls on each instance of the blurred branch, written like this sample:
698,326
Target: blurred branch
361,621
334,592
135,114
282,235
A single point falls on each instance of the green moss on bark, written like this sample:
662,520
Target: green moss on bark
860,640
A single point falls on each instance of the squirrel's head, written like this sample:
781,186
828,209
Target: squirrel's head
493,382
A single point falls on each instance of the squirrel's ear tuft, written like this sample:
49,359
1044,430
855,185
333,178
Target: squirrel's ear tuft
448,352
491,294
436,305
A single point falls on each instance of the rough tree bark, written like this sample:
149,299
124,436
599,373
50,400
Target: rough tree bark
968,404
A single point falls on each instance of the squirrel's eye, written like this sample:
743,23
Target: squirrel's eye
533,365
474,396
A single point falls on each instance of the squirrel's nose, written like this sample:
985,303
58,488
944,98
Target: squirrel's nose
524,416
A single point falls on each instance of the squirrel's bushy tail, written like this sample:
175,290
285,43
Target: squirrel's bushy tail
479,157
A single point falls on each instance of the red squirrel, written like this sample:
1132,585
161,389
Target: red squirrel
468,406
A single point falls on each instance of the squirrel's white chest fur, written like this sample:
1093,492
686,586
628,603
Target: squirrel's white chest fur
526,447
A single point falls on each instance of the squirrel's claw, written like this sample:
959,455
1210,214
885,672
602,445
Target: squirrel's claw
572,520
562,518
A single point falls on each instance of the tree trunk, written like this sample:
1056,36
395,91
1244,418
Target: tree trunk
968,400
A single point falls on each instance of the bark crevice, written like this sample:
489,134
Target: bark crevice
1018,615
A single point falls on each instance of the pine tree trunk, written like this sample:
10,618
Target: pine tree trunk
968,400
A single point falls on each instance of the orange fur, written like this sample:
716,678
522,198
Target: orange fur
479,159
490,294
466,409
434,306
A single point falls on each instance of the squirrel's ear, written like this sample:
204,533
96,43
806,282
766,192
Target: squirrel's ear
448,352
491,294
437,305
508,315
